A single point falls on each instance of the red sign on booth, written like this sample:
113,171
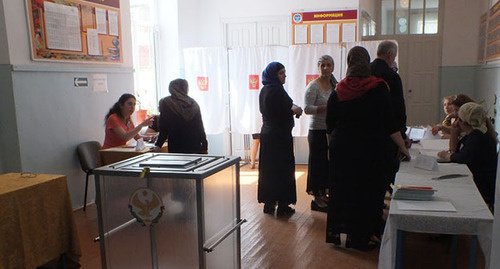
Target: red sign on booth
253,82
310,78
203,84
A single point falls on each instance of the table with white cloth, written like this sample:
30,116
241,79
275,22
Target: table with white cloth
472,216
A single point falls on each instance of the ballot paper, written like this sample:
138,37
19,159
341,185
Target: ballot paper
426,162
443,206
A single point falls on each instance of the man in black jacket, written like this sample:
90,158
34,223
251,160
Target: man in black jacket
382,67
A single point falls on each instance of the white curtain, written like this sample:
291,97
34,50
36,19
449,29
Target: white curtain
206,69
303,64
245,81
206,72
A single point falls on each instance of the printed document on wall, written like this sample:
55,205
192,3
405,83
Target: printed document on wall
348,32
300,34
316,33
333,33
62,24
100,17
93,42
113,23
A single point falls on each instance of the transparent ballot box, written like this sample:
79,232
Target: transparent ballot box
163,210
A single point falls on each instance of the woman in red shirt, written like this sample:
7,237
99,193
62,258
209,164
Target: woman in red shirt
119,125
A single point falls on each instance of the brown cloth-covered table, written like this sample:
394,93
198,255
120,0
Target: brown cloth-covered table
36,221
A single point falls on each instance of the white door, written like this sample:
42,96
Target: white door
419,58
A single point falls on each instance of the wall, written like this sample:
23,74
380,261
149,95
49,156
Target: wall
200,20
454,80
461,28
4,57
48,116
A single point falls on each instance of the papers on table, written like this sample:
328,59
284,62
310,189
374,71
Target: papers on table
443,206
436,144
420,193
426,162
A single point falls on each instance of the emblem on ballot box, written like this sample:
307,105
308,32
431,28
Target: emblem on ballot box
146,206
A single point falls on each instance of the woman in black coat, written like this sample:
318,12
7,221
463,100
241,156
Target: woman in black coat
362,134
180,121
276,160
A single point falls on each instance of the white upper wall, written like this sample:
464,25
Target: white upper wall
19,41
460,31
200,21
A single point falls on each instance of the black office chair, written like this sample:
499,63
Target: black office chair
87,153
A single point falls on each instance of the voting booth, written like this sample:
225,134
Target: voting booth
162,210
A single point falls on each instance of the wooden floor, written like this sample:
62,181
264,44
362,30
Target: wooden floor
295,242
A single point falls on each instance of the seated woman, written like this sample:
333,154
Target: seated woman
477,149
119,125
180,121
445,126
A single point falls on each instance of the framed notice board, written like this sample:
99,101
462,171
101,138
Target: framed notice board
75,31
319,27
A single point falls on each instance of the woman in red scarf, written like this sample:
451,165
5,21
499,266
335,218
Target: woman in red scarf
362,131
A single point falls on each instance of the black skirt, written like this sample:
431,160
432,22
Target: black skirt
317,176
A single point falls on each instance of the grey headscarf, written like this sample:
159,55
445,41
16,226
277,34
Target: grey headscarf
180,103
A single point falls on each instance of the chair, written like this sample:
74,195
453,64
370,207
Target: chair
87,154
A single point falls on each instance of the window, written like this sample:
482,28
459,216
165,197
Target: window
143,24
367,24
402,17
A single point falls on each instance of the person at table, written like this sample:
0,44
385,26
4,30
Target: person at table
255,149
317,93
383,67
362,131
477,149
445,126
119,126
276,159
181,124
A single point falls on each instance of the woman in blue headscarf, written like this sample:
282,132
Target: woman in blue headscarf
277,162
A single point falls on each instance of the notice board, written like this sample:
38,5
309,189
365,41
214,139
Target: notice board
75,31
493,35
319,27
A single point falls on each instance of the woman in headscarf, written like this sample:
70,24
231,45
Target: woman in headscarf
180,121
276,160
362,131
316,97
477,149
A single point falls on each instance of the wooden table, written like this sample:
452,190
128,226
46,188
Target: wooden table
116,154
36,221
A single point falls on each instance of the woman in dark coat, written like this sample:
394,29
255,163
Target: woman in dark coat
362,132
180,121
276,160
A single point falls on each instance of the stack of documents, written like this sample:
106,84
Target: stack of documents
420,193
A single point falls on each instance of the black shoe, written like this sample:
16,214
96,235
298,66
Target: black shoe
334,239
358,244
316,207
269,209
285,211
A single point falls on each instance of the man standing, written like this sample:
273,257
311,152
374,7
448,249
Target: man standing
382,67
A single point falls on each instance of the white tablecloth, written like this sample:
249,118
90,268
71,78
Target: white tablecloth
472,216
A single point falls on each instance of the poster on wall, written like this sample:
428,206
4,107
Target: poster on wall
75,31
319,27
493,35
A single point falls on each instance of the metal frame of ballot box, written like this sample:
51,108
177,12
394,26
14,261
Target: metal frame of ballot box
164,210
